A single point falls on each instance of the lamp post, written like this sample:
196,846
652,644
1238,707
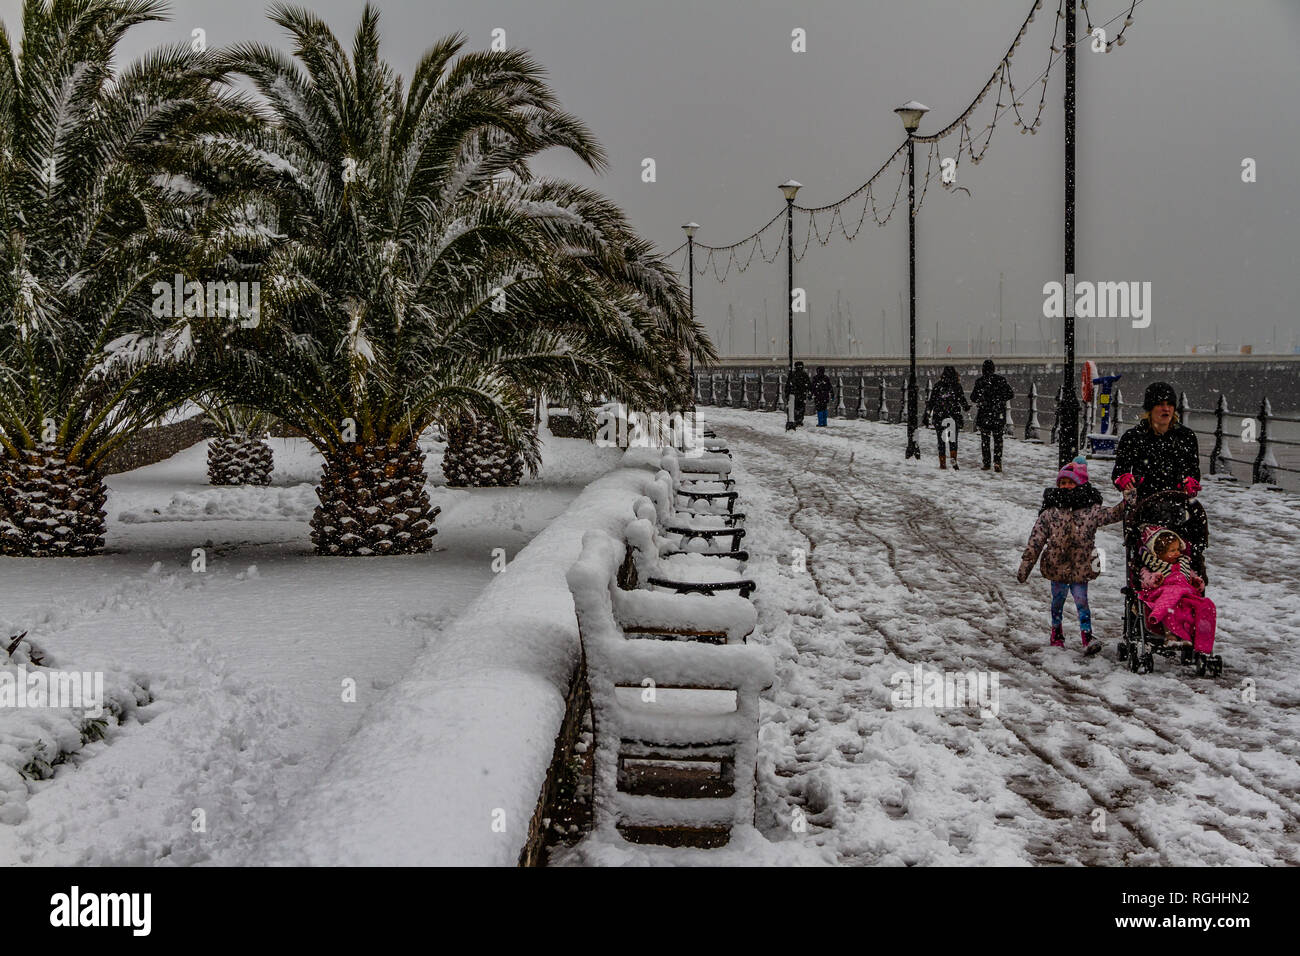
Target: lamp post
1068,431
789,189
689,229
910,113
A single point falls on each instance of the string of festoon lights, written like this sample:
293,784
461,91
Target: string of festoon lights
972,141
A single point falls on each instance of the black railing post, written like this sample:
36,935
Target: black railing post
1031,419
1218,462
1262,472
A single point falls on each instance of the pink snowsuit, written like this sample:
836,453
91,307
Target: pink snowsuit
1177,606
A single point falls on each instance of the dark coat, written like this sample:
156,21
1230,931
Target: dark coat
821,391
1159,462
990,395
798,383
946,400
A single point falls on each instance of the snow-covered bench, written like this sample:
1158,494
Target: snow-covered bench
675,717
658,562
697,529
696,488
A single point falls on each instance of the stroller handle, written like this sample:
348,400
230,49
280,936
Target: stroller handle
1132,513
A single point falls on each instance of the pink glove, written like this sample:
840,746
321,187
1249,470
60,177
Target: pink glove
1124,480
1191,487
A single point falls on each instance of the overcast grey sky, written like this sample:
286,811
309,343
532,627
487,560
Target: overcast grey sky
711,90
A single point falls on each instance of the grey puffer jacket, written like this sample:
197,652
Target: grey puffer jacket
1065,535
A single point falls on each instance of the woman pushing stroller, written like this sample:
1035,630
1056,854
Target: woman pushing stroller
1166,533
1161,454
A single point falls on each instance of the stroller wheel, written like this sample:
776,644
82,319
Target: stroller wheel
1188,654
1147,664
1216,666
1121,651
1201,664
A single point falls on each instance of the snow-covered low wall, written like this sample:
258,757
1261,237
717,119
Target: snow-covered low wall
447,768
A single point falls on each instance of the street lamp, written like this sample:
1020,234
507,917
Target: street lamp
910,113
789,189
689,229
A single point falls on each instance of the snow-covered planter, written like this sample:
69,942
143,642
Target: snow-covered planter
466,739
35,740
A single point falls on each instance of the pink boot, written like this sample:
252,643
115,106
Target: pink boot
1058,637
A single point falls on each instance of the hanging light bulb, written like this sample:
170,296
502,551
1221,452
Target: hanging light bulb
1120,39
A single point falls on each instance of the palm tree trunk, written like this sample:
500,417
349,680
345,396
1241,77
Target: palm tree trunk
373,501
50,507
478,457
239,461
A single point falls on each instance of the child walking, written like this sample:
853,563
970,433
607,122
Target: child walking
1173,592
1064,536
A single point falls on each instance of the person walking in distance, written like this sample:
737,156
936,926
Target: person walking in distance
821,394
990,396
943,410
797,388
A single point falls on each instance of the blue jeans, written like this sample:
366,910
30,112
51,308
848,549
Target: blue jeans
1080,593
821,416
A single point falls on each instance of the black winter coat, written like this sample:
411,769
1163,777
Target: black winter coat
821,392
990,395
798,383
946,401
1161,462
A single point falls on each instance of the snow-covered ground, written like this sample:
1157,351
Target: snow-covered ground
249,660
1084,762
903,566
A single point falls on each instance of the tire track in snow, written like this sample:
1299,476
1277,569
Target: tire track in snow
1070,692
1076,691
1052,814
1067,769
1180,742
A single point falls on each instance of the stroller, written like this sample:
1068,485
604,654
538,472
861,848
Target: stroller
1140,643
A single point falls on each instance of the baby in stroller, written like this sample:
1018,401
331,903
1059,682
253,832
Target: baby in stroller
1165,607
1173,592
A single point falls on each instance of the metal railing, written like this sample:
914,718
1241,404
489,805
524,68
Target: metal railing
875,398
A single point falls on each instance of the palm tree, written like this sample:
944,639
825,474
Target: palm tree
428,277
237,455
110,186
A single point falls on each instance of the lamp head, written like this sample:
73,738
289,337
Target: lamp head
910,113
789,188
690,228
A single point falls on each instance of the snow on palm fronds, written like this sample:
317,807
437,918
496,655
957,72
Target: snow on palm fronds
110,180
424,275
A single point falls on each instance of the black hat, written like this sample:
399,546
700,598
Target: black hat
989,366
798,364
1157,394
821,369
